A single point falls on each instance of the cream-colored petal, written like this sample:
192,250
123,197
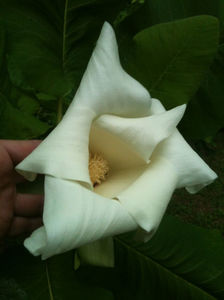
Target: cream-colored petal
105,87
142,135
147,198
117,153
118,181
65,152
193,172
74,216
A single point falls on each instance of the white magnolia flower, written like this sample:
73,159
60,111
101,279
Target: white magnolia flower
112,115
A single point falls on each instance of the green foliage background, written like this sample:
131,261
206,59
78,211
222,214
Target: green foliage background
45,47
176,50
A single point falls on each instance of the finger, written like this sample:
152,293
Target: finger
22,225
7,195
28,205
18,150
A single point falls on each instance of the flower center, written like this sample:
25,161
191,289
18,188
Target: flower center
98,168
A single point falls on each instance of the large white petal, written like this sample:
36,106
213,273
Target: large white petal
193,172
119,180
117,153
65,152
147,191
74,216
105,87
147,198
142,135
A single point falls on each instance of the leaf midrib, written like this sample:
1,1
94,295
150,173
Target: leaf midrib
64,34
170,64
60,100
161,266
49,282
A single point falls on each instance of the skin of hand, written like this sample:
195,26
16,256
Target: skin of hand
19,213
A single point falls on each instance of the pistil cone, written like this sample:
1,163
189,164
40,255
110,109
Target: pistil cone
98,168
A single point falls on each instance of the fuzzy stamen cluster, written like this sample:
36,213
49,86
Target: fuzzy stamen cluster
98,168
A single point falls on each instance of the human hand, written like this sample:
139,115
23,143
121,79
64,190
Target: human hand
19,213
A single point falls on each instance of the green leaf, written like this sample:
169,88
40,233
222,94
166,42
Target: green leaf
129,10
199,121
182,261
50,42
168,10
160,11
205,114
45,98
4,78
171,59
17,124
2,48
28,104
9,289
18,110
53,279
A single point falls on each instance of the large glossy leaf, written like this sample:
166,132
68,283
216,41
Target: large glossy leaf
205,114
170,59
51,41
167,10
4,79
182,261
18,124
160,11
17,112
24,277
2,48
199,121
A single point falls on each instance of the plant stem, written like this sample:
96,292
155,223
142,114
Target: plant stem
60,110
